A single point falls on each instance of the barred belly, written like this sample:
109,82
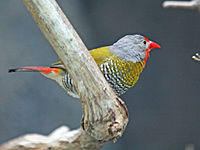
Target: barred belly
121,75
69,86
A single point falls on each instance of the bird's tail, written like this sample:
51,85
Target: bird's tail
43,70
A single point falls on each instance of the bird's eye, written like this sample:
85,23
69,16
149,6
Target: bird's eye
145,42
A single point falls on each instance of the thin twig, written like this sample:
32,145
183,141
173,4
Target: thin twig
197,57
193,4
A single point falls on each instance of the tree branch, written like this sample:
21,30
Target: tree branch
193,4
105,115
60,139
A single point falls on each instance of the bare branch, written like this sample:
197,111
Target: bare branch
105,115
61,138
193,4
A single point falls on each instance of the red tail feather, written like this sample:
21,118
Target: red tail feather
44,70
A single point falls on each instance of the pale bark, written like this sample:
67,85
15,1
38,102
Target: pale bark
60,139
105,115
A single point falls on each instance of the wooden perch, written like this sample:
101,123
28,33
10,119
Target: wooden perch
193,4
105,115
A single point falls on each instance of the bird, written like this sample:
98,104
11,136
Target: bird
121,64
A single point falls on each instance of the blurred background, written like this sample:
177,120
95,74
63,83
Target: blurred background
164,106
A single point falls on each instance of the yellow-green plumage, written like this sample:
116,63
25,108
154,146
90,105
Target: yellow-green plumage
120,74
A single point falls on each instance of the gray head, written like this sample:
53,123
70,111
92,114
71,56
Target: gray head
133,47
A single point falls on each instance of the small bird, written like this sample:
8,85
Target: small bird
120,63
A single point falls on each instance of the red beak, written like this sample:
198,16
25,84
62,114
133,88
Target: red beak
153,45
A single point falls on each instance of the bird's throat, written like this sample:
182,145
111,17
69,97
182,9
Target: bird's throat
146,57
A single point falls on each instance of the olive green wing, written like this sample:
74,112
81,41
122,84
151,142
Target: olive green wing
100,56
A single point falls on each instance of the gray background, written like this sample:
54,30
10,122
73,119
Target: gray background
164,105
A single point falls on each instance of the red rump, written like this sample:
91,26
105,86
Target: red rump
44,70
